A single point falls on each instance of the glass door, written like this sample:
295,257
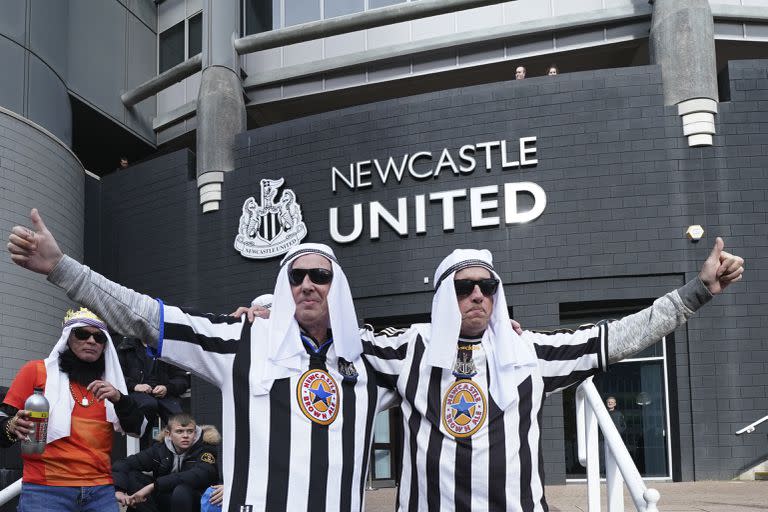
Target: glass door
636,393
385,463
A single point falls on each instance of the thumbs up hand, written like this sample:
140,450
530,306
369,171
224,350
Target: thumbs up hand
721,268
35,248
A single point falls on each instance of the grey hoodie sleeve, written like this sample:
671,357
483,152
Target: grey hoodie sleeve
124,310
636,332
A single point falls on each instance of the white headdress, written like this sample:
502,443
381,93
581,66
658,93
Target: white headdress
57,389
504,347
264,301
284,347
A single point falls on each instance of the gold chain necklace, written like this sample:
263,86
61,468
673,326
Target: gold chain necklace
83,402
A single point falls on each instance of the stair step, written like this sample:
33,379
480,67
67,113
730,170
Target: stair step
761,475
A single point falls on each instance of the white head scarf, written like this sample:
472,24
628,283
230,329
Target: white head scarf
283,355
264,301
505,349
57,389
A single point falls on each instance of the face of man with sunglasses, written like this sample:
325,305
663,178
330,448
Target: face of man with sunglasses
475,306
310,296
87,349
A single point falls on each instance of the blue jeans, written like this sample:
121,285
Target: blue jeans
40,498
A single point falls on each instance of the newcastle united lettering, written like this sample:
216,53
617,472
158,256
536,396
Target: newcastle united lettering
489,205
361,174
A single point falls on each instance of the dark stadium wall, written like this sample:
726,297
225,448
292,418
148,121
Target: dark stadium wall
621,188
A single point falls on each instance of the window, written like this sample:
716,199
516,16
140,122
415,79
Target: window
333,8
171,47
180,42
195,35
373,4
260,16
301,11
263,15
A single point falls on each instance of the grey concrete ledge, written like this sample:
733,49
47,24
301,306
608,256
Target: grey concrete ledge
518,30
739,12
166,119
354,22
162,81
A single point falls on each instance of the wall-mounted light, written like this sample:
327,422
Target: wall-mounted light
643,398
695,232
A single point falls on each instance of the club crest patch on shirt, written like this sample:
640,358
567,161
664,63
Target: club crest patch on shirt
318,396
464,408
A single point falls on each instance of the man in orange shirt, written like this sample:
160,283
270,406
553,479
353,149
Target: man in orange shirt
87,395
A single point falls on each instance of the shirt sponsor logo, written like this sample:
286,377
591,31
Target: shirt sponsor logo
464,408
270,228
318,396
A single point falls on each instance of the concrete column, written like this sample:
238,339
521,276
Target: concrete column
682,42
220,102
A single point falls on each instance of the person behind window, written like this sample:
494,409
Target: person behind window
616,415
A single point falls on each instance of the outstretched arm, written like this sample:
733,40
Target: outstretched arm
203,344
636,332
567,357
126,311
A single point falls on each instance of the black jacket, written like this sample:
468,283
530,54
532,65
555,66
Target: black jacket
197,467
139,368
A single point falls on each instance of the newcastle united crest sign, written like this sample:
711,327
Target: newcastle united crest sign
270,228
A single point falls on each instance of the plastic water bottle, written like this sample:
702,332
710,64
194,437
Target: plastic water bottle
37,406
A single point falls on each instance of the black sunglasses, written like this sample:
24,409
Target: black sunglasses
465,287
316,275
82,335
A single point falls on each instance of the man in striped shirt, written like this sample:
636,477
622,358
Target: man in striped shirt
472,391
298,404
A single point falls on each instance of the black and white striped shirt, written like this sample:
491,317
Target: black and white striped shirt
461,451
275,456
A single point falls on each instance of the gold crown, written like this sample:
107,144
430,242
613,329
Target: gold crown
81,314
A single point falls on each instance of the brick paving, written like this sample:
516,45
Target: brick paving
704,496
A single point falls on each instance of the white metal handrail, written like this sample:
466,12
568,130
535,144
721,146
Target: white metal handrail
751,427
10,492
592,415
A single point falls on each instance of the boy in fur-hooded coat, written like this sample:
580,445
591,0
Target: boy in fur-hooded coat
182,463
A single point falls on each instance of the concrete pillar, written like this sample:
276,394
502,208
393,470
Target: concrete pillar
682,42
220,102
